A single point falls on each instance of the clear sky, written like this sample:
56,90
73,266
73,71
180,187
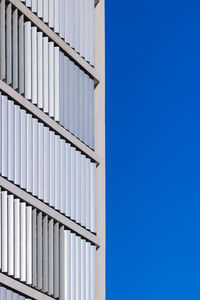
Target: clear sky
153,149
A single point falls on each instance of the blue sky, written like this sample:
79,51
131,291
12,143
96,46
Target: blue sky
153,149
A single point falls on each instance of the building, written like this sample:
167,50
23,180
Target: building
52,150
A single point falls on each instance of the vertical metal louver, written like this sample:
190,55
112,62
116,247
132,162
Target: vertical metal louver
44,254
8,294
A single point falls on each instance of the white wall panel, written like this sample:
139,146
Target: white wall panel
34,65
88,271
2,40
9,43
17,238
51,79
52,169
57,85
40,161
21,54
29,132
4,128
46,164
27,52
35,157
46,74
11,140
29,245
40,68
23,244
4,222
15,49
17,145
23,159
83,269
10,235
73,183
68,179
73,266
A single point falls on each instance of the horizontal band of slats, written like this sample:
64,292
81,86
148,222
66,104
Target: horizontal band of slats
48,121
22,288
57,40
18,192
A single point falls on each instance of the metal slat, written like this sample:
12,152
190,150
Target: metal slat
93,197
71,108
40,68
21,54
82,105
40,8
52,169
61,87
34,65
23,159
62,19
9,294
3,292
11,140
83,190
51,13
57,172
67,21
57,16
88,271
15,50
75,113
51,257
28,3
68,180
88,193
27,52
45,11
41,161
91,101
34,248
15,296
91,39
66,93
93,272
62,259
87,31
78,268
2,40
67,264
17,238
46,165
29,248
0,229
17,145
34,6
9,43
45,74
10,235
35,157
4,136
23,244
73,183
62,176
72,23
51,79
39,251
57,85
56,260
78,104
87,111
45,255
29,139
0,134
82,28
77,26
73,266
78,187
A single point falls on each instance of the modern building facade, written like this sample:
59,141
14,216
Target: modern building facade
52,149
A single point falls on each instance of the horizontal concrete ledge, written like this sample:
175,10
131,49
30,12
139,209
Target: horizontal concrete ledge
51,212
39,114
57,40
22,288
